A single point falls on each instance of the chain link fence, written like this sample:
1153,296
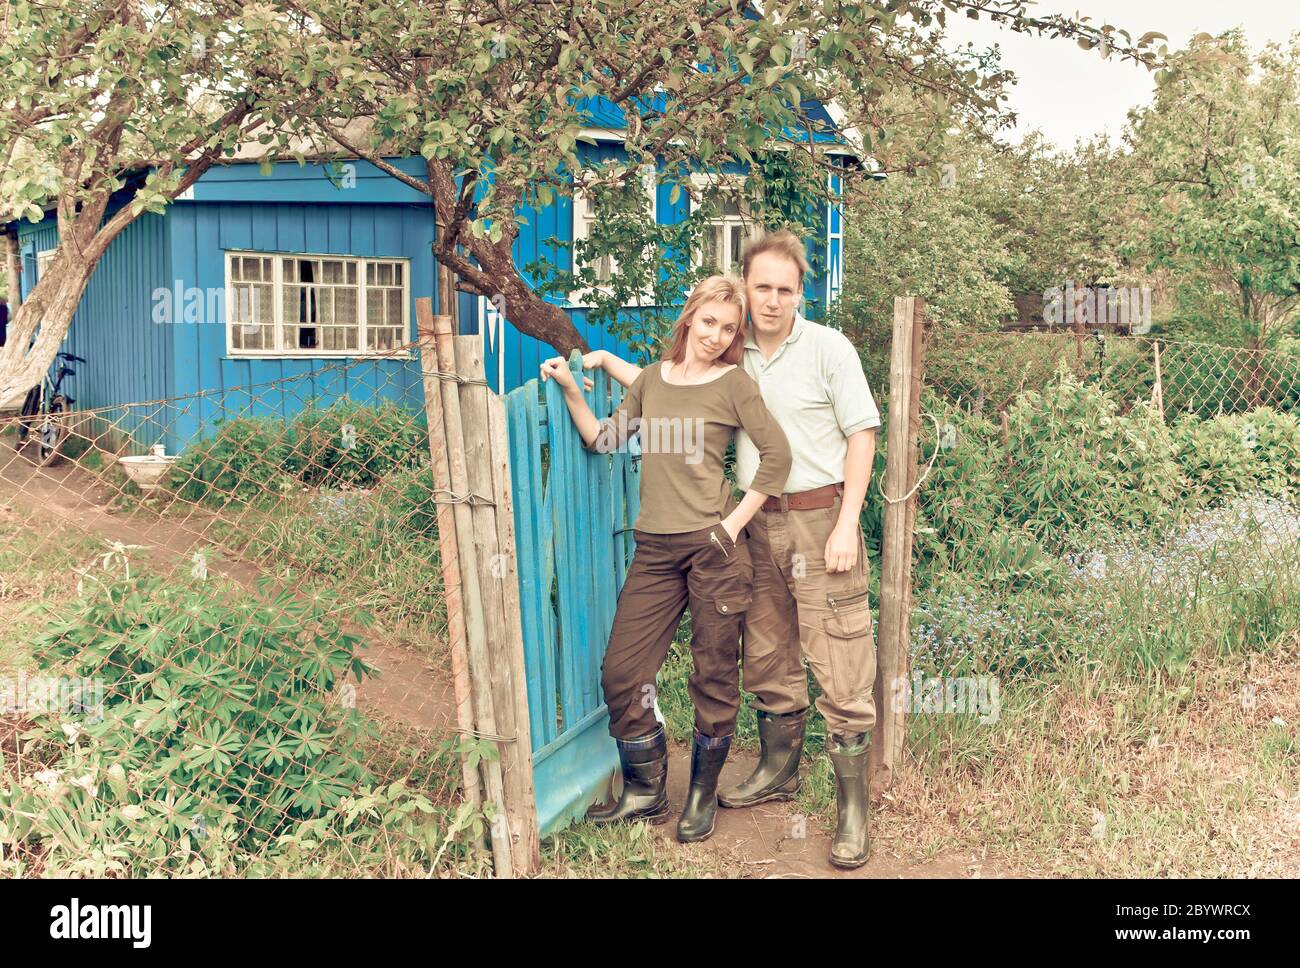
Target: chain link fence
1112,501
232,661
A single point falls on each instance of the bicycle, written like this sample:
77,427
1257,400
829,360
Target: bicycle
43,413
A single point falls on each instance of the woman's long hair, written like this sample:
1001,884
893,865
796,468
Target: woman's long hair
727,289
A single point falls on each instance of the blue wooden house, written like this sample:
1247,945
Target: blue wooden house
266,286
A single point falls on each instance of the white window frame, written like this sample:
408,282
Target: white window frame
492,331
44,258
582,216
701,183
277,296
835,267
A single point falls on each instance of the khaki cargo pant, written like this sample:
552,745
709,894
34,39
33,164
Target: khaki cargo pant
800,611
711,573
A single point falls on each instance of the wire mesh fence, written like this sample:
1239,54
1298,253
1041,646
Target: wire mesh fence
231,661
1120,501
234,661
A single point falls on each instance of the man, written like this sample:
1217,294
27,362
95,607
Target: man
810,562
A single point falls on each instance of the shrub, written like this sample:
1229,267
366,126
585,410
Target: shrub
220,731
1075,462
1273,439
962,493
407,498
240,464
1214,456
352,445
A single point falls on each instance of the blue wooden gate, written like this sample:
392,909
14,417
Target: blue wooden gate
573,516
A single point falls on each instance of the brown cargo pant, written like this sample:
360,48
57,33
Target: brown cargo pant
799,610
713,574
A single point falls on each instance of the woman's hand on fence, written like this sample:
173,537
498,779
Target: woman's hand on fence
556,364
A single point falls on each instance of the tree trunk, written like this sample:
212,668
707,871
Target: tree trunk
496,275
49,307
13,280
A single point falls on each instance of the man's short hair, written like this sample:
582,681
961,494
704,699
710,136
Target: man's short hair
783,242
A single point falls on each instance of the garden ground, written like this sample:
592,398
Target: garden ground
1090,773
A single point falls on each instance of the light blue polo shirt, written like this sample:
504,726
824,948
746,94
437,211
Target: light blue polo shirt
815,388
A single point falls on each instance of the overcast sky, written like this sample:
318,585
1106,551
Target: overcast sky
1071,93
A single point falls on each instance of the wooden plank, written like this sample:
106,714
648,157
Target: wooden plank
495,574
618,493
560,435
523,810
547,616
451,579
526,505
602,538
890,728
546,543
475,622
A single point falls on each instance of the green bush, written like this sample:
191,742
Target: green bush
347,445
407,498
963,491
1215,457
1273,439
1076,464
353,445
240,464
221,730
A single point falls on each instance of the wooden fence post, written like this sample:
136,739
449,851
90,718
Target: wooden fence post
1158,393
455,488
495,575
451,580
905,370
524,810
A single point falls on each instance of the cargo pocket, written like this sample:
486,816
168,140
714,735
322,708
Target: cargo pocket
850,646
734,603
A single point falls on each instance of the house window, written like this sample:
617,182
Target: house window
585,215
316,305
44,259
250,303
726,234
834,240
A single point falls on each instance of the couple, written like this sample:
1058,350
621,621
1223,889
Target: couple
785,567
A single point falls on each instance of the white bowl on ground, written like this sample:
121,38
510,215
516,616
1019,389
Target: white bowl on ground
146,472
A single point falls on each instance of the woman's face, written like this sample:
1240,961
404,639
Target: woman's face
712,330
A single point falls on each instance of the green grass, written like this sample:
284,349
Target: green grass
618,851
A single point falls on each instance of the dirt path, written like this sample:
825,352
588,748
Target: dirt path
769,841
413,688
774,840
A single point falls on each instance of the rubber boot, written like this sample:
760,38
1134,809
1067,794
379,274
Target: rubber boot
701,810
645,782
851,845
776,777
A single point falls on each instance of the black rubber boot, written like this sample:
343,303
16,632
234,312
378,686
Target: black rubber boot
645,782
851,845
701,810
780,740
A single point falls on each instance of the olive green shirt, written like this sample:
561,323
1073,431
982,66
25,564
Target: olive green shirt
684,433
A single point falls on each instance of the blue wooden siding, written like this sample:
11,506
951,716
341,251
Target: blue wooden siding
202,233
128,357
360,211
511,358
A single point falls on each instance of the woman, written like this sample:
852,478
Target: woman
688,548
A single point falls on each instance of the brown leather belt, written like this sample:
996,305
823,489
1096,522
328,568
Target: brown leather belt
818,497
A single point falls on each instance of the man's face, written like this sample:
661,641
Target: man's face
772,287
